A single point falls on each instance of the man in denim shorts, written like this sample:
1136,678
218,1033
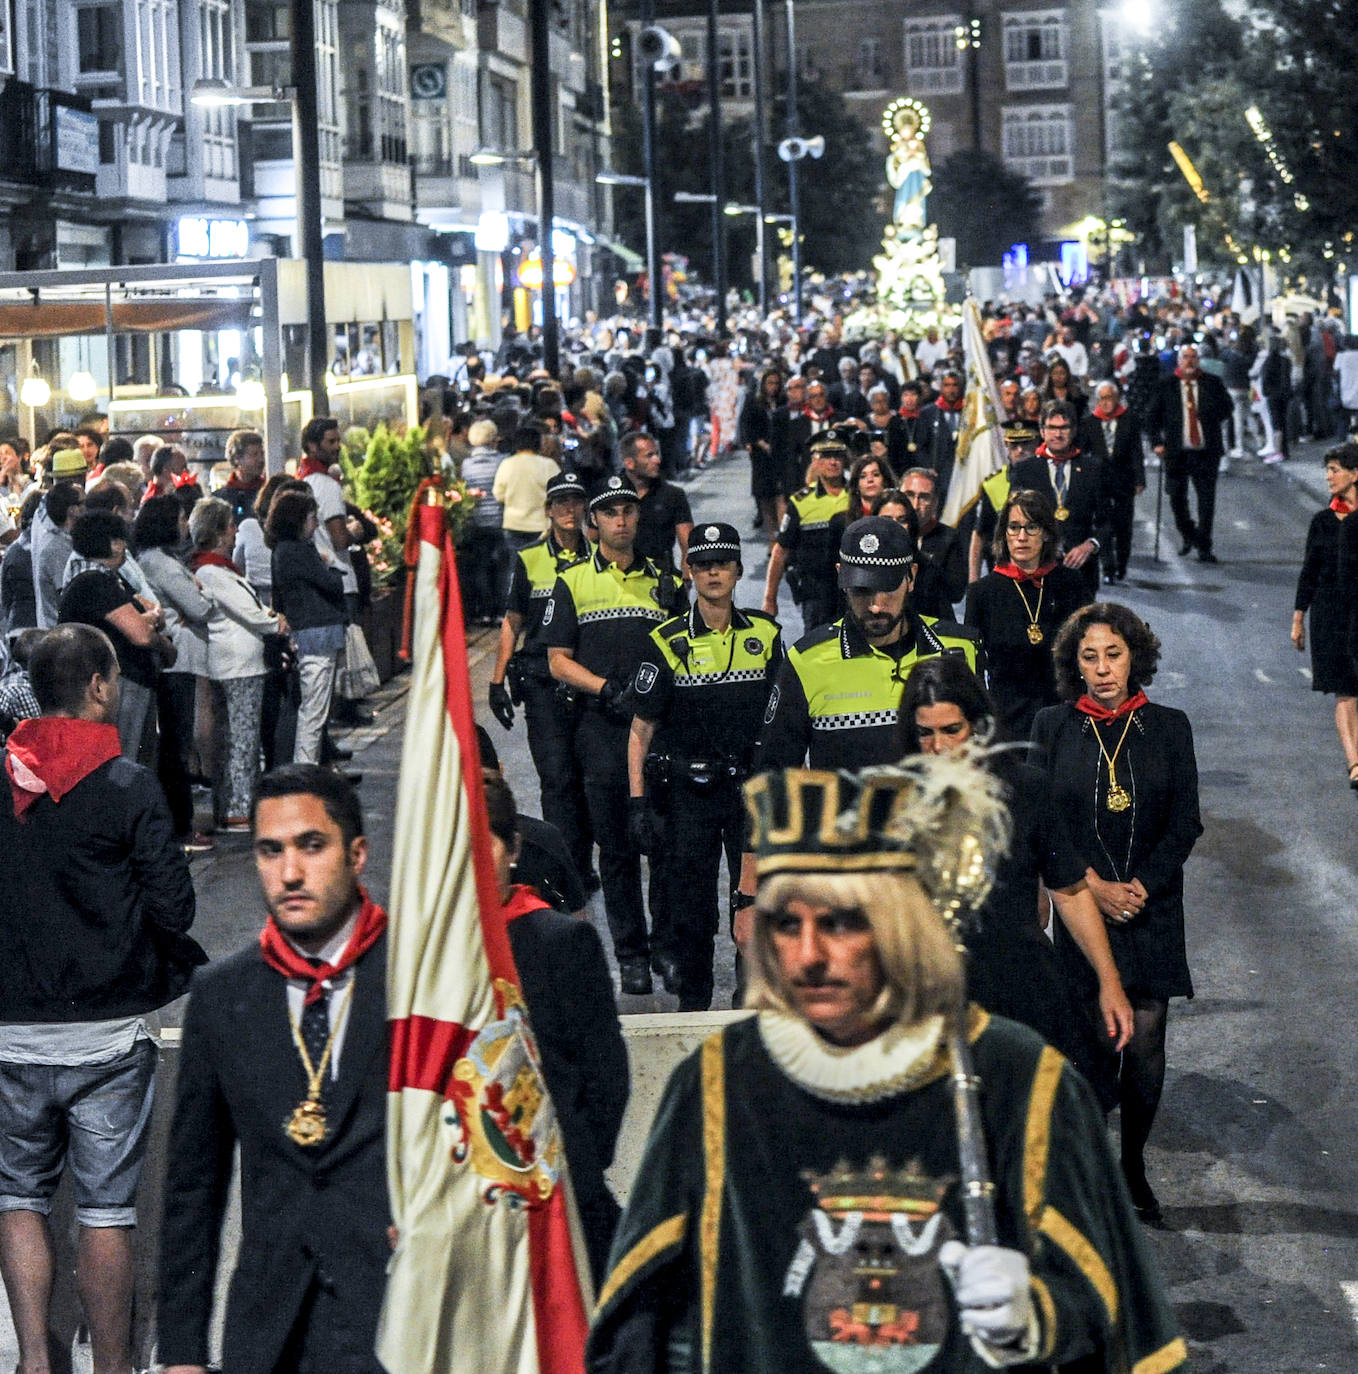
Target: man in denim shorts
95,942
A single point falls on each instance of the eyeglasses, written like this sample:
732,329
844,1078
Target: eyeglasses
1029,530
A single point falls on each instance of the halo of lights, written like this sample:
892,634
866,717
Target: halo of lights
904,117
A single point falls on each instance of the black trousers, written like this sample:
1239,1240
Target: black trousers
326,1339
1200,469
1122,509
175,697
699,825
601,752
551,742
819,603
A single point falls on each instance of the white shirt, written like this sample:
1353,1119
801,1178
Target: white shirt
1196,384
337,1003
1076,358
929,355
330,506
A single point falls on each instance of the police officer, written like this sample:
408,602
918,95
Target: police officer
698,697
597,629
524,676
836,697
804,546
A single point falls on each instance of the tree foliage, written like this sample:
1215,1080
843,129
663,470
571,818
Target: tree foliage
985,206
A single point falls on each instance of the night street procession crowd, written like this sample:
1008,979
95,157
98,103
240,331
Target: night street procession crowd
920,901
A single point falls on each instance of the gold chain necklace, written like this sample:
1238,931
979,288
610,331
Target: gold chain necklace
1035,635
307,1126
1118,798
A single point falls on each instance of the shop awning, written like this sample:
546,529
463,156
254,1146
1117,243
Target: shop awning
59,319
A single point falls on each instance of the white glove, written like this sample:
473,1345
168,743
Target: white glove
994,1300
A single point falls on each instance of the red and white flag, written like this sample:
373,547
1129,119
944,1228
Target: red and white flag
490,1271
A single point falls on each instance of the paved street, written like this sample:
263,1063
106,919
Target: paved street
1248,1156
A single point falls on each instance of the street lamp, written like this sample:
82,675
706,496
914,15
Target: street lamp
213,93
494,157
608,177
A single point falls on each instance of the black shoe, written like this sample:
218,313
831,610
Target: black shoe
350,713
1207,556
692,1001
590,882
1144,1201
353,779
668,968
1190,543
635,976
334,753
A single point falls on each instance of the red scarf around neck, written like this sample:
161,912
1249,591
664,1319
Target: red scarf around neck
52,754
309,467
522,900
210,558
1188,376
280,954
236,484
951,406
1012,570
1095,711
818,414
1041,452
1341,507
1116,415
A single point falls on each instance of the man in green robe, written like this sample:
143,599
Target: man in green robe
800,1204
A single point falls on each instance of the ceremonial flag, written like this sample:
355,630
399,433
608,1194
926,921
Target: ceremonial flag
490,1271
980,442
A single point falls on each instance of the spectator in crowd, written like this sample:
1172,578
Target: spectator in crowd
481,559
756,437
253,556
521,487
310,594
99,596
237,627
245,453
17,701
665,519
89,442
18,600
52,536
96,943
160,530
14,476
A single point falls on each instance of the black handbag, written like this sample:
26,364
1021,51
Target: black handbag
279,654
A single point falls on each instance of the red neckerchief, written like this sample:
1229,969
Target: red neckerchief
52,754
236,484
1341,507
1116,415
185,479
1187,376
281,955
96,471
910,414
1012,570
210,558
1041,452
1094,711
310,467
951,406
818,414
522,900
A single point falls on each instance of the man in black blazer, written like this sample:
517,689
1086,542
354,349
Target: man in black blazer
1074,483
1185,423
790,439
288,1060
942,420
1113,435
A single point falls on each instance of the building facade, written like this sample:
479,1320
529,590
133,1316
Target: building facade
1034,84
105,160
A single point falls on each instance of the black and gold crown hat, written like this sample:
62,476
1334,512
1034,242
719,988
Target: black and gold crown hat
942,818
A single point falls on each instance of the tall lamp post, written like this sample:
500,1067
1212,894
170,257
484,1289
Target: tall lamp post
214,93
792,125
759,135
541,91
718,171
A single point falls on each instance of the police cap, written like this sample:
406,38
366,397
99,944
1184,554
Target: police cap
565,484
1020,432
874,555
715,543
828,444
614,489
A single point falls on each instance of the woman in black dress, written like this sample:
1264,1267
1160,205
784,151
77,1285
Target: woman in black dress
1121,773
1329,598
1012,968
885,430
755,433
1020,605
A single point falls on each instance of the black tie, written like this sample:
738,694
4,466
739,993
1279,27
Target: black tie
316,1026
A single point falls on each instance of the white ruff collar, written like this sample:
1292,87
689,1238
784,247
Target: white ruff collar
901,1058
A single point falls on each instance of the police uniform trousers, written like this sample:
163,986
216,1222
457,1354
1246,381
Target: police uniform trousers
819,604
551,740
699,824
601,753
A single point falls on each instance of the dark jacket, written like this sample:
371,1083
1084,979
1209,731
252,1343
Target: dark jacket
95,924
1166,423
304,590
304,1211
17,596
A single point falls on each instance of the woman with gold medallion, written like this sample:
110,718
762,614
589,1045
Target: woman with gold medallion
1019,607
1121,772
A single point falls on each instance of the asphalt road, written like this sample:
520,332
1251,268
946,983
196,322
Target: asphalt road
1260,1244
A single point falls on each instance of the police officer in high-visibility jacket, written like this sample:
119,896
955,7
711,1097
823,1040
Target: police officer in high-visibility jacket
597,629
835,699
521,674
698,698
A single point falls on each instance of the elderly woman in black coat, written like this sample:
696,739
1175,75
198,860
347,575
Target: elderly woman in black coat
1122,774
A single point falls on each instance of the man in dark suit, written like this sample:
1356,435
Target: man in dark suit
942,420
790,439
1186,419
846,396
1113,436
285,1055
565,982
1074,483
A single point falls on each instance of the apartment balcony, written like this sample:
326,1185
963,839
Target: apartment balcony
52,139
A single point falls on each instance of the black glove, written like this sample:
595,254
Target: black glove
642,831
611,698
501,707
